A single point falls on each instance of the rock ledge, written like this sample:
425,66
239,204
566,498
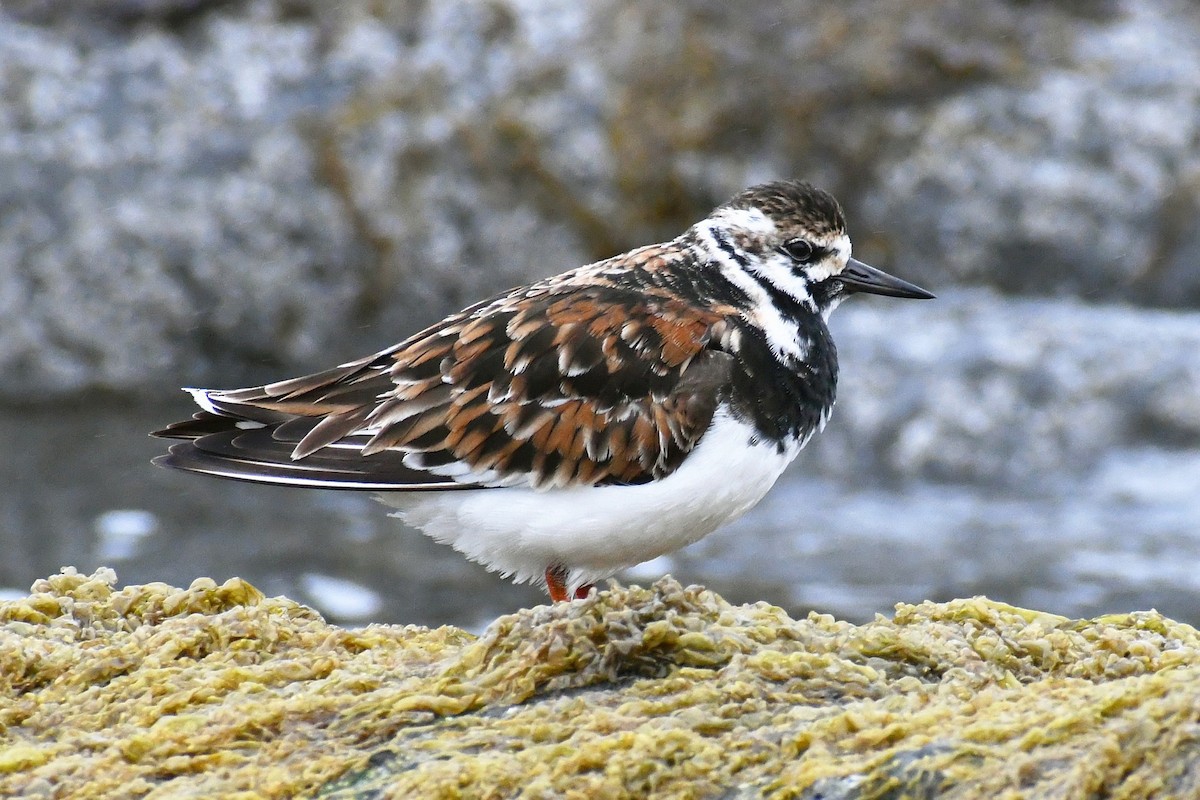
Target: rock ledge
215,690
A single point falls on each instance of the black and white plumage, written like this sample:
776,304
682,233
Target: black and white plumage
569,428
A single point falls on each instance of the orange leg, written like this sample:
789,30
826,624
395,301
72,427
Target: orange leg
556,585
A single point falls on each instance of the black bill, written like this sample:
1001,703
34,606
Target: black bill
859,277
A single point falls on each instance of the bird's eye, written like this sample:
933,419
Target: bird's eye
800,250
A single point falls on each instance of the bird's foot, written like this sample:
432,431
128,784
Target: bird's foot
556,585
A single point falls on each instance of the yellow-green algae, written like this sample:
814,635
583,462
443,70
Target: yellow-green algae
217,691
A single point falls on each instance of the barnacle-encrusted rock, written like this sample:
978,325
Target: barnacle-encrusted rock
669,691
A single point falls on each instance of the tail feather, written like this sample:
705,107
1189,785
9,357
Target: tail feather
189,457
203,423
249,443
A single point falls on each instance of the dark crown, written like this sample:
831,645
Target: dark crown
794,202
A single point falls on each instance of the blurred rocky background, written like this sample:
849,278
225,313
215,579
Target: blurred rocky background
217,192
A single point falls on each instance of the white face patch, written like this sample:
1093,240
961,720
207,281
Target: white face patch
727,235
783,334
781,272
833,263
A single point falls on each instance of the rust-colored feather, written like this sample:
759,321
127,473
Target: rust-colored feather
579,379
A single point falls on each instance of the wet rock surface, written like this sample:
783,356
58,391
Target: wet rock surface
659,692
973,388
1081,181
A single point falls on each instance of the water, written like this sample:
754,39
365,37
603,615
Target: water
79,490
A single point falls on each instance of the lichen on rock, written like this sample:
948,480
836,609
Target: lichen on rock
216,690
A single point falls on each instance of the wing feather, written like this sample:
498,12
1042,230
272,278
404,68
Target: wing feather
587,382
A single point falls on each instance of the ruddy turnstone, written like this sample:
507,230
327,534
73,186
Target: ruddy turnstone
564,430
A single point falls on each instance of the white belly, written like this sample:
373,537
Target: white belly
595,531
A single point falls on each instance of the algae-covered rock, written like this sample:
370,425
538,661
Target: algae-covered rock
217,691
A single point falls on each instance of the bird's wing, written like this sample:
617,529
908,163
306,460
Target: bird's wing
556,385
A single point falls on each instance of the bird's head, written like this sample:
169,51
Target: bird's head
790,237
